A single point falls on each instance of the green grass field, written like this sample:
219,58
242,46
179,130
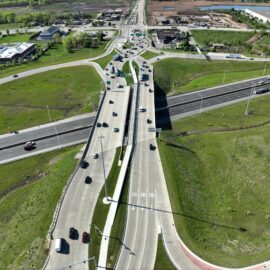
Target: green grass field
104,61
162,260
218,183
148,55
127,70
204,37
26,212
101,209
53,56
67,92
181,76
5,26
13,38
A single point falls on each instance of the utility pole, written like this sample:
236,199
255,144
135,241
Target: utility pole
104,174
250,97
49,115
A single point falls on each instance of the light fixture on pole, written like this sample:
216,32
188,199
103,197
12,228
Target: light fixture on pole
49,115
250,97
104,173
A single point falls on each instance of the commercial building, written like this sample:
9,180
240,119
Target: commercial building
260,15
48,34
16,51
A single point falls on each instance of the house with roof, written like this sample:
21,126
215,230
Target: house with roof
48,34
16,51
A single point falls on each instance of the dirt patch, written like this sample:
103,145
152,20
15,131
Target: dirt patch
254,39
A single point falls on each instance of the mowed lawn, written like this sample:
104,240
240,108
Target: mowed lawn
180,76
148,55
204,37
13,38
67,92
26,212
219,183
55,55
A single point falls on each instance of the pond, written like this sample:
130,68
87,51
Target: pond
252,7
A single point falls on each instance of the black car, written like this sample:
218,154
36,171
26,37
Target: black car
84,164
15,75
152,147
72,233
149,121
111,101
150,90
85,237
114,114
98,125
88,180
108,88
104,124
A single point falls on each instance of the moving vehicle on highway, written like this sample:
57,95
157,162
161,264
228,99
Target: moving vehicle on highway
29,146
261,91
58,245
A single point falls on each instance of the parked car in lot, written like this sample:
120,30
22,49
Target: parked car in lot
111,101
95,156
98,125
116,130
104,124
58,245
84,164
114,114
29,146
88,180
149,121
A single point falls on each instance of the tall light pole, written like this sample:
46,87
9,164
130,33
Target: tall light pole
250,97
49,115
103,164
201,102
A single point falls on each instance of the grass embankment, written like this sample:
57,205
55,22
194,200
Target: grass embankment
218,184
136,67
67,92
12,38
27,211
101,209
118,227
181,76
5,26
148,55
128,75
55,55
162,260
248,43
104,61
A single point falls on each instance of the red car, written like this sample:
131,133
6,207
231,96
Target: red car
85,237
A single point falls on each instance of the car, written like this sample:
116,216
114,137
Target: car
88,180
95,156
110,64
162,53
108,88
158,58
29,146
85,237
114,114
72,233
15,75
98,125
144,62
260,82
149,70
152,147
149,121
113,77
116,130
84,164
104,124
150,90
111,101
251,58
107,69
146,84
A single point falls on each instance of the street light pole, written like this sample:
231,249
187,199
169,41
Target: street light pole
49,115
250,96
104,174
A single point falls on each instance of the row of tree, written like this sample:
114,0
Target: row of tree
44,18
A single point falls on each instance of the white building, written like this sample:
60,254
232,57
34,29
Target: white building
18,50
256,14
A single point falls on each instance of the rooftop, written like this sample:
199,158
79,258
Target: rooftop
10,51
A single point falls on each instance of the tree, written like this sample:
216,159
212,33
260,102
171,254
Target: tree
68,44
